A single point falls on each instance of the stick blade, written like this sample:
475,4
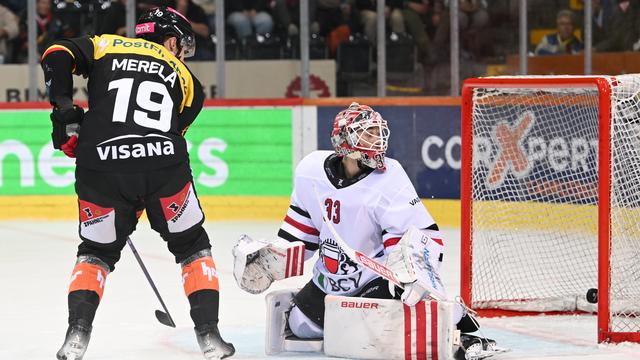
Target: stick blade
165,319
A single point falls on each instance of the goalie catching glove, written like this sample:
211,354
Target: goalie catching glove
258,263
416,260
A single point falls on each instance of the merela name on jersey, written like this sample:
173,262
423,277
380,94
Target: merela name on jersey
149,67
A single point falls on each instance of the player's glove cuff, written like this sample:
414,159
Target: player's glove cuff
66,125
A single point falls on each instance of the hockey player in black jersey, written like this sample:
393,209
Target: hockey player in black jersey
131,156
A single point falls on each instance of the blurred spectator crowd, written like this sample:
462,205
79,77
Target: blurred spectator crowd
346,29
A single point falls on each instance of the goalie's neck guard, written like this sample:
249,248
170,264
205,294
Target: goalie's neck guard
335,172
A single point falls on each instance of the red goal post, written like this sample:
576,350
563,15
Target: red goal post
550,198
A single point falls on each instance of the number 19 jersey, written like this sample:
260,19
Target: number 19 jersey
141,101
370,212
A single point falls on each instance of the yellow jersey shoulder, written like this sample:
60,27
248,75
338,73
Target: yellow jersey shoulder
115,44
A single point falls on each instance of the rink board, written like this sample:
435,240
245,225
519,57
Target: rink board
243,154
64,207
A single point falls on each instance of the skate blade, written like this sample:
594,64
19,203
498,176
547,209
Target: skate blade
69,356
214,356
489,353
498,349
217,354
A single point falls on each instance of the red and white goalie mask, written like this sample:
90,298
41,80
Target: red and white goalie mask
362,134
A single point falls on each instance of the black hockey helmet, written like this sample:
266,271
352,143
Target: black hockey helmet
157,24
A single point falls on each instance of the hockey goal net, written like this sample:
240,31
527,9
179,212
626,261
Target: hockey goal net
550,192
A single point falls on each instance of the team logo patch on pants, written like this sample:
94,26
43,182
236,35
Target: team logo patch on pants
97,223
182,211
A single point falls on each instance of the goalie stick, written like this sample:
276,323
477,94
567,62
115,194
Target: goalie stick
163,317
359,257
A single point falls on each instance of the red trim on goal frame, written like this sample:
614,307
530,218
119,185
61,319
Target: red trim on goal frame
618,337
491,313
604,211
466,157
604,191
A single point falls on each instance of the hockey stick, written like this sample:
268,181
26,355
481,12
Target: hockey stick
163,317
361,258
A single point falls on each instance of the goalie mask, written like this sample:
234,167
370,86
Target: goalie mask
362,134
163,22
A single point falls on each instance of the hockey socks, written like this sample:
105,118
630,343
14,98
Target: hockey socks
85,291
83,305
200,282
204,307
86,288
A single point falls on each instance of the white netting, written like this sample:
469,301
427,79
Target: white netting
535,195
625,205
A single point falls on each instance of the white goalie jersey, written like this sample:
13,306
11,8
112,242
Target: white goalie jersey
370,212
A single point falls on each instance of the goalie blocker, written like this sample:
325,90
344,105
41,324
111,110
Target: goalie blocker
386,329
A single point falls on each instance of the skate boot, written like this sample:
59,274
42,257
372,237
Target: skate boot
475,348
75,342
211,344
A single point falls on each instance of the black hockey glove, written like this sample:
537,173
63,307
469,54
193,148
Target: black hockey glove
66,125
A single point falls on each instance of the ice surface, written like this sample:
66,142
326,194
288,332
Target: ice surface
36,259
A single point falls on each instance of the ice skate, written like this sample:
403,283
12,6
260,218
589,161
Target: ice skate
476,348
75,342
211,344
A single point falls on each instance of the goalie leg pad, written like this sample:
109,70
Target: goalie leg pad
310,301
302,327
387,329
278,336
